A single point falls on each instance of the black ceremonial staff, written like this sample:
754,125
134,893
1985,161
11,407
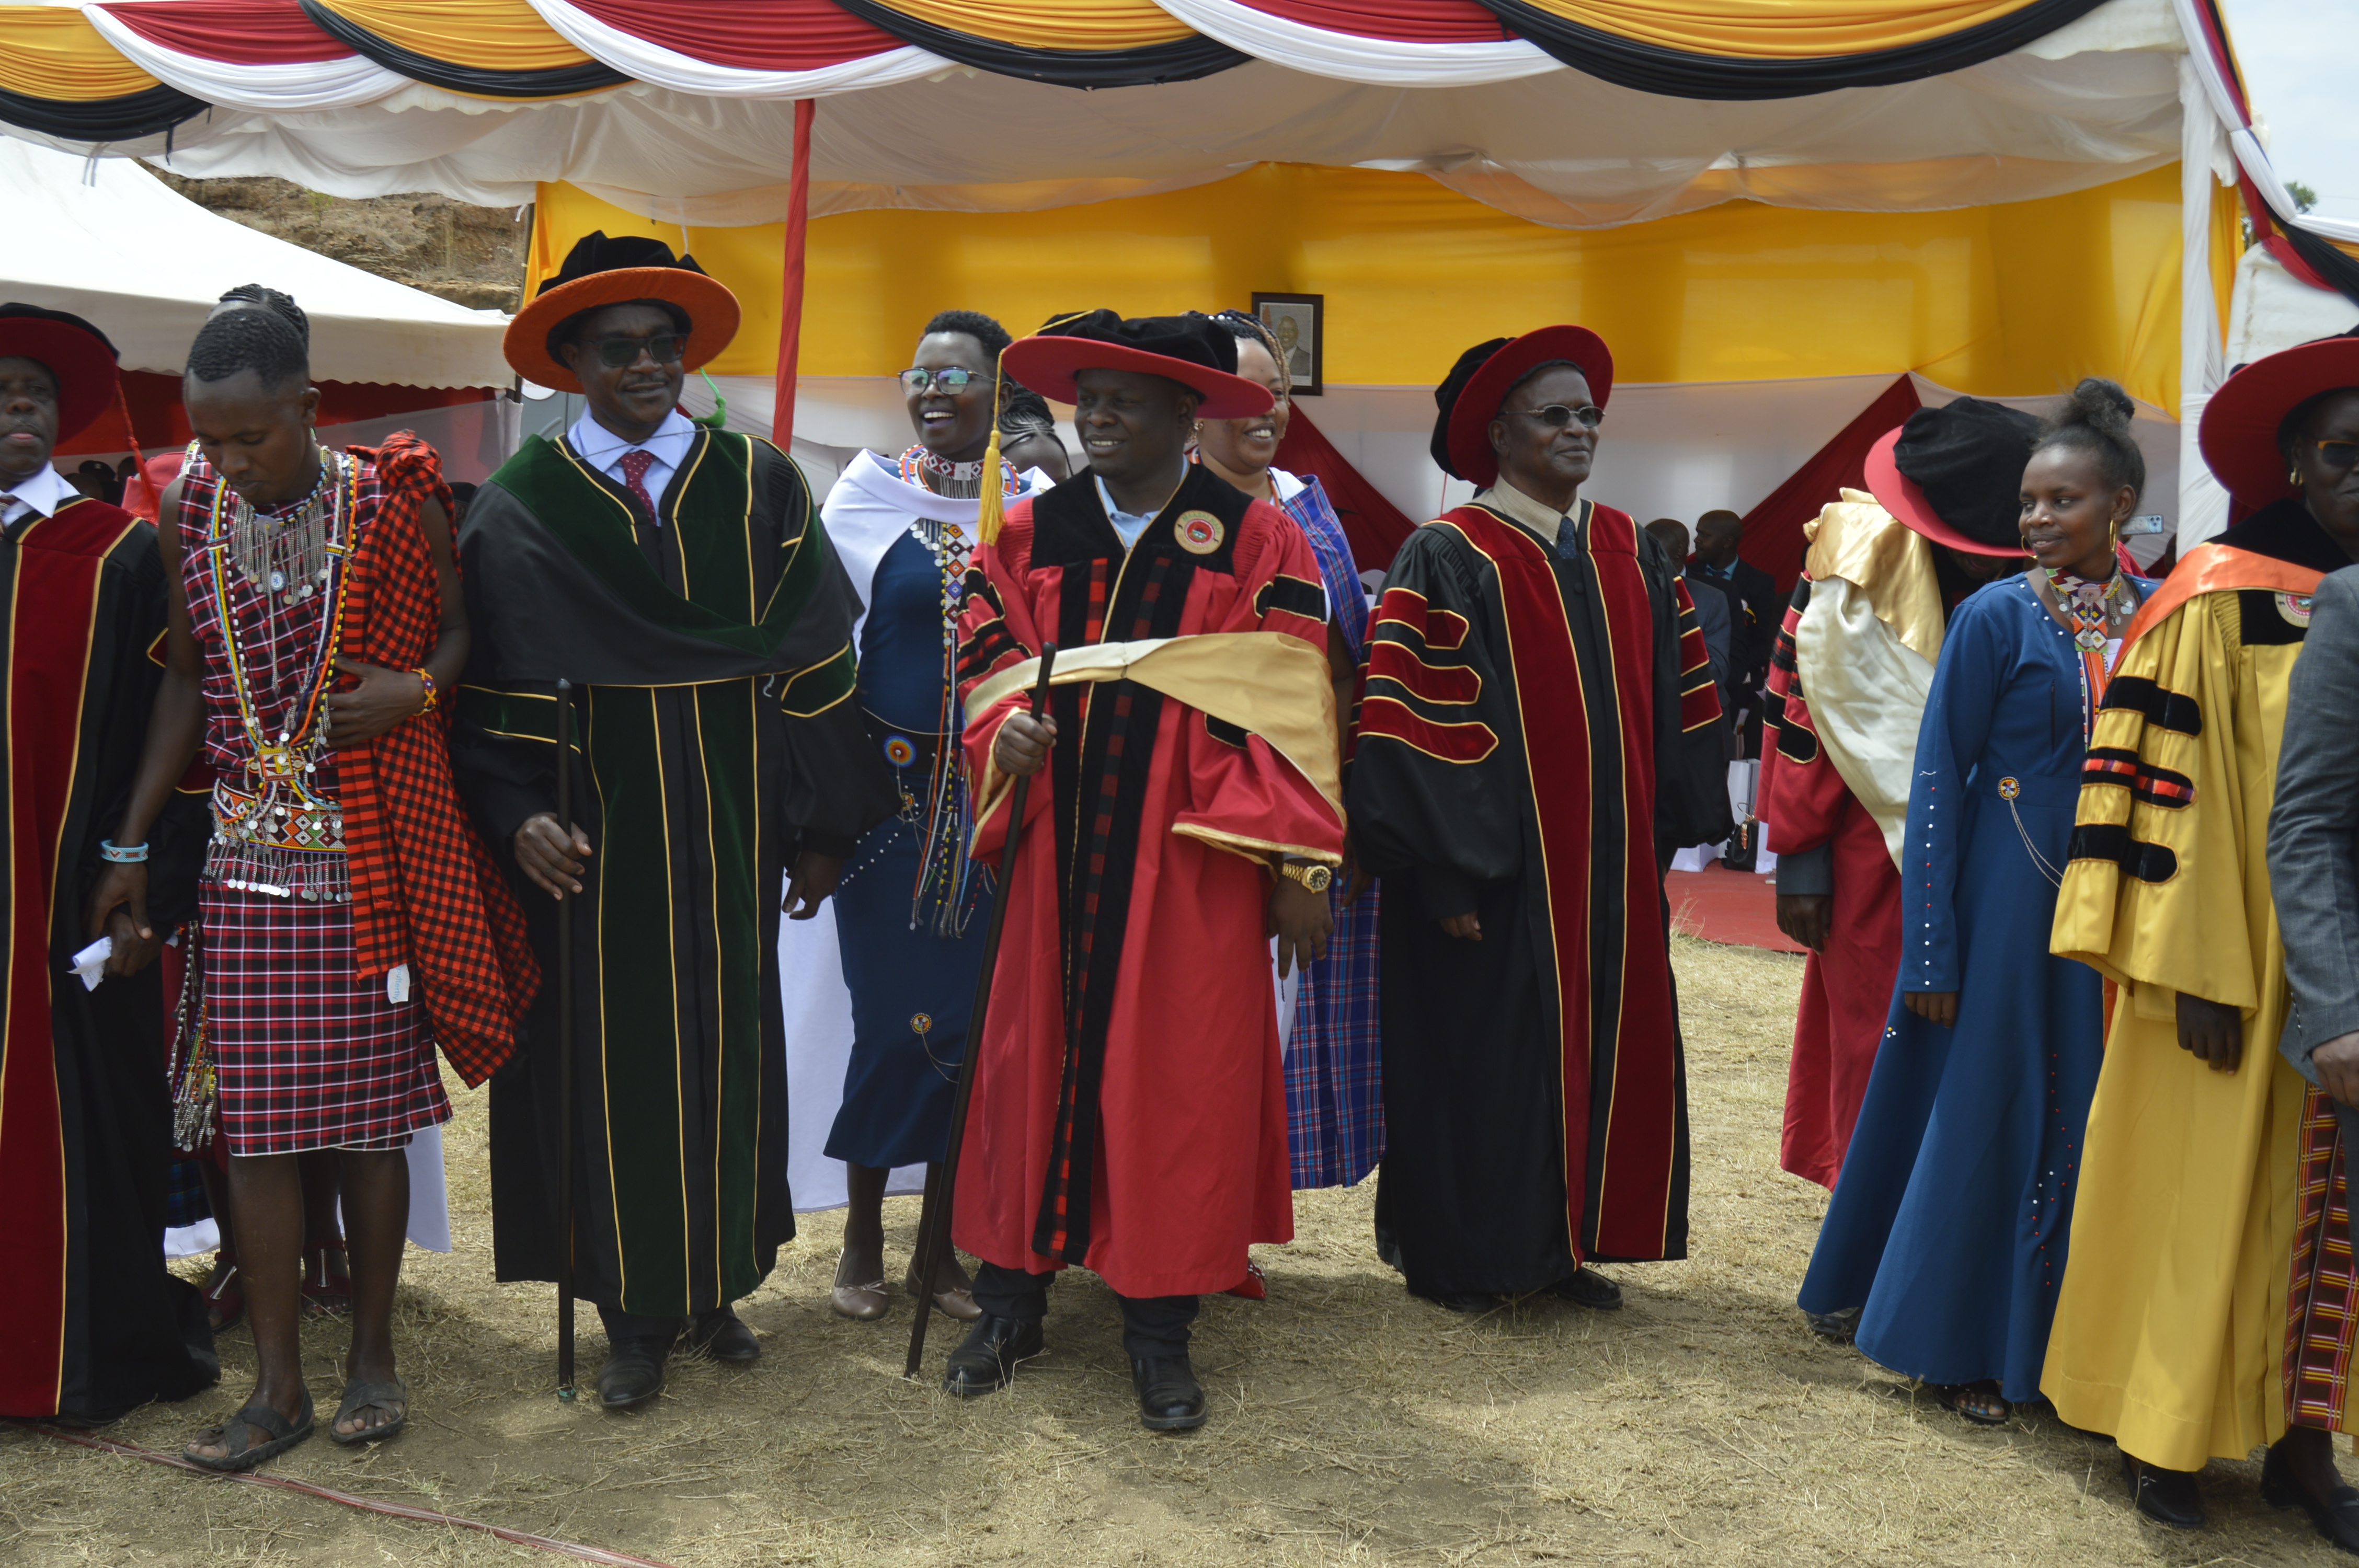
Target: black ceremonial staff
565,1055
934,1219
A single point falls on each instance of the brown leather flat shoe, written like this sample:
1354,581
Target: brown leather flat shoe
863,1304
958,1304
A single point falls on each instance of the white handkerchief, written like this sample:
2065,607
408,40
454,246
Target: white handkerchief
397,984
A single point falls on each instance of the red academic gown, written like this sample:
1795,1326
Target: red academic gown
1846,989
1147,1141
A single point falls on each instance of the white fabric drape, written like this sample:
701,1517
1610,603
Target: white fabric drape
2202,503
652,63
1384,63
306,87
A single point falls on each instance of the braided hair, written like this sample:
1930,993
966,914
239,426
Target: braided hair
263,297
1248,328
2095,419
258,339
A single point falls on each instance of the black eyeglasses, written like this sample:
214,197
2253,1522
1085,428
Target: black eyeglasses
1557,415
664,347
917,378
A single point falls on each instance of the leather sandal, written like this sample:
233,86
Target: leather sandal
244,1454
366,1394
327,1277
224,1293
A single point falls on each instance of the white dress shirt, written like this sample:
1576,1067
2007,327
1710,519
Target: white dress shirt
603,449
43,492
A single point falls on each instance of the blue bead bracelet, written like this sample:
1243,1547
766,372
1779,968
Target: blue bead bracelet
136,854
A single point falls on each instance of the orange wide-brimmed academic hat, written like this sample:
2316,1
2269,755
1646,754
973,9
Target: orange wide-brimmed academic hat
78,355
2239,433
1193,350
599,272
1469,398
1954,474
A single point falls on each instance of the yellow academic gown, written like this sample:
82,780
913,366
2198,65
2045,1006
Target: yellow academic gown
2170,1327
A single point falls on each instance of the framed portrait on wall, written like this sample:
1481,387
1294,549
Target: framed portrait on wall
1299,322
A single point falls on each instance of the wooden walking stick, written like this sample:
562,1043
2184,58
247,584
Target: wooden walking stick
934,1219
565,1055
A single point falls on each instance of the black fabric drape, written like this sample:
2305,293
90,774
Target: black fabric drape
1182,60
153,113
1680,73
558,82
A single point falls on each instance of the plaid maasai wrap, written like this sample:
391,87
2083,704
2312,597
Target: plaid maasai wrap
311,1056
1334,1080
1335,1059
425,890
2322,1301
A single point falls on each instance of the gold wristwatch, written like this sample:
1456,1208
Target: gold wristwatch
1309,873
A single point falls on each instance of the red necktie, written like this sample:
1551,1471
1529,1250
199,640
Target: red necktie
635,463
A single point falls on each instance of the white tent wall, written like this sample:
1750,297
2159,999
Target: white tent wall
474,439
1673,450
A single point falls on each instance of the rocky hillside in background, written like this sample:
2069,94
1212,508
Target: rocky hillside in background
469,255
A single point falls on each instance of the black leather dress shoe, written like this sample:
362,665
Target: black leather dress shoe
2337,1518
985,1359
1475,1303
1169,1398
634,1372
2166,1496
721,1335
1588,1288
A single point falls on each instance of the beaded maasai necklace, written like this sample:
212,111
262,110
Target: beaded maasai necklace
273,834
960,481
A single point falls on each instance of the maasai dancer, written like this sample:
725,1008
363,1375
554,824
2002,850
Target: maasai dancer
1129,1114
1539,723
911,909
1947,1233
1334,1081
348,920
1846,694
2207,1308
92,1324
678,577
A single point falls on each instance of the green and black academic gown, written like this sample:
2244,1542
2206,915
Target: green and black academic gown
713,739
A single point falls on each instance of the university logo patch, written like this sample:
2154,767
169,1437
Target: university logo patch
2294,609
1200,532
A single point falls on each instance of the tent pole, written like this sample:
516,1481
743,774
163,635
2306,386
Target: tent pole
790,286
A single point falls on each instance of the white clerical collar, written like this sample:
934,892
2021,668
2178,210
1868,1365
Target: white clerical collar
601,448
44,491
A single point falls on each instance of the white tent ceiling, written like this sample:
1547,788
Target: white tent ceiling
111,243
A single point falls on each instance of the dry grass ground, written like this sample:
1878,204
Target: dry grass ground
1702,1424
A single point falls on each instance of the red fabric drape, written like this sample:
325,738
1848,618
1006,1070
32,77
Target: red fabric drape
1773,530
160,424
1408,21
776,34
790,302
1375,527
242,32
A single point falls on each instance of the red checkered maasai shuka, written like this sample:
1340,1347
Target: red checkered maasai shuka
2323,1303
425,890
309,1055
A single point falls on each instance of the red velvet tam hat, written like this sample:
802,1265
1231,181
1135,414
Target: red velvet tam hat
1193,350
599,272
2239,433
1955,474
1478,385
76,354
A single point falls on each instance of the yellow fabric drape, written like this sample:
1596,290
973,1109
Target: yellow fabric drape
487,35
1081,26
1781,29
2016,299
53,53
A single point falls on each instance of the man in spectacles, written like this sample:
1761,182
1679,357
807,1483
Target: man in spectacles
679,576
1539,721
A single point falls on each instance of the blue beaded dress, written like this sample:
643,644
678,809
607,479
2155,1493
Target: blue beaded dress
1949,1223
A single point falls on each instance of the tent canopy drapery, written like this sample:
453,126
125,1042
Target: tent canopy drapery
1564,113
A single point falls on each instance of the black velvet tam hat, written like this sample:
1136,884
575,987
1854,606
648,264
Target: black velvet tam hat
79,357
1193,350
1470,395
1956,473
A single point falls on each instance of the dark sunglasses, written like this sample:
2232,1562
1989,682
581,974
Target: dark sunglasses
664,347
1557,415
2338,455
956,379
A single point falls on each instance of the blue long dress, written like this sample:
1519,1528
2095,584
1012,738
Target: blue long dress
1948,1225
911,989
